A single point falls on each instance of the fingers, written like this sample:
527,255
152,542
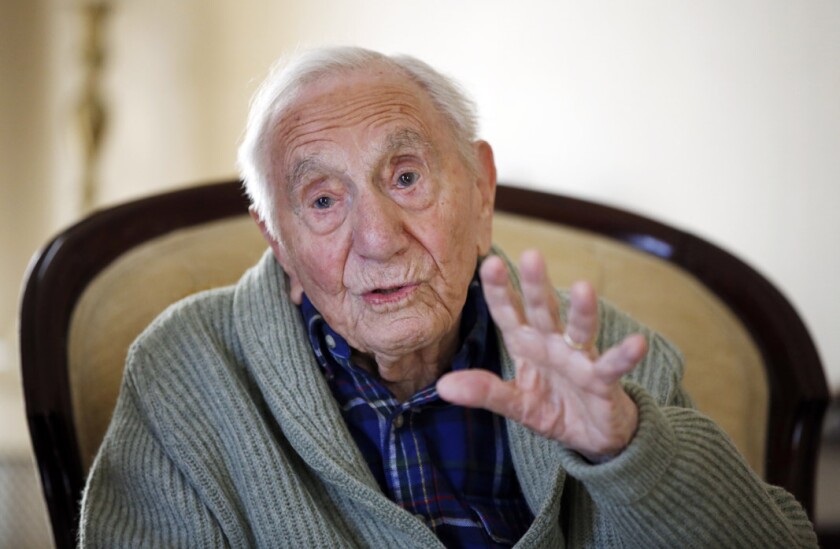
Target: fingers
582,325
621,358
541,307
502,301
538,307
538,303
482,389
477,389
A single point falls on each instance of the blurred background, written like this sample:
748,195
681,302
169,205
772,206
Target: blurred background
720,117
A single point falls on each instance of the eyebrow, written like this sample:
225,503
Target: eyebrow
407,138
301,168
400,140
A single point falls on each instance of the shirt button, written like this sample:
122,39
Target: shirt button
398,421
330,341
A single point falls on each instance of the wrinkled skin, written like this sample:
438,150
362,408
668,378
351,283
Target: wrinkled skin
382,225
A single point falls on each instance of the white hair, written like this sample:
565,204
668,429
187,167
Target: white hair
286,81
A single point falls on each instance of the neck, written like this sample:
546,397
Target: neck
404,375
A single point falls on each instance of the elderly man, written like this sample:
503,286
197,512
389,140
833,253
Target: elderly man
383,377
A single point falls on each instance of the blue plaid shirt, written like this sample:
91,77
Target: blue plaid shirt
448,465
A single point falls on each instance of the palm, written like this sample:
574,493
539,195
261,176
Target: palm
567,394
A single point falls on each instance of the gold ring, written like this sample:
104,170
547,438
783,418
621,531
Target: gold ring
574,344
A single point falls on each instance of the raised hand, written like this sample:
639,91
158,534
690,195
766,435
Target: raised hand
563,389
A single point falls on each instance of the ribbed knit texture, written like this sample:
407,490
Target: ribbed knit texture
226,434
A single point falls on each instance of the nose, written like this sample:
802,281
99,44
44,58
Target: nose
378,227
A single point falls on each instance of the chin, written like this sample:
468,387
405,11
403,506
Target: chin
401,338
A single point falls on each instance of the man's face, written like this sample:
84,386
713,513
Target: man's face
381,221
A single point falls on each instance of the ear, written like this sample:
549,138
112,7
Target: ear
282,257
486,182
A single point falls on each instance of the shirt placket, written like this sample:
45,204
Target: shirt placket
411,476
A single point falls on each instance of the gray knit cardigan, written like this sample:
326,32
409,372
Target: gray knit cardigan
226,435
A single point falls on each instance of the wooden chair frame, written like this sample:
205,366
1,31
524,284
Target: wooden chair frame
61,271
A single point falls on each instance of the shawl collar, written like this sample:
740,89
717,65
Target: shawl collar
278,354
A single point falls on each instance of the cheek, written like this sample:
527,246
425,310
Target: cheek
452,242
322,268
459,223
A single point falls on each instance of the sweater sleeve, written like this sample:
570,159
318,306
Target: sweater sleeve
681,482
135,495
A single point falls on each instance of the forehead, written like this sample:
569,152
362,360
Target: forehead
354,103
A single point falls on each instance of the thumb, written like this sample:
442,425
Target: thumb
476,389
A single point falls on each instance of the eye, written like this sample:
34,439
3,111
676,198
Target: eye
407,179
323,202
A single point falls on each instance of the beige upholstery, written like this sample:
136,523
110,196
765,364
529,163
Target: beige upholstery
125,297
724,372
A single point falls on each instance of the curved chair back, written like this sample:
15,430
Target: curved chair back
750,363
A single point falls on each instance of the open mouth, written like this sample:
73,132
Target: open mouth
386,291
392,295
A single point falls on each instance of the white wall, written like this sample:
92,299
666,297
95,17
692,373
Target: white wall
720,117
24,149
